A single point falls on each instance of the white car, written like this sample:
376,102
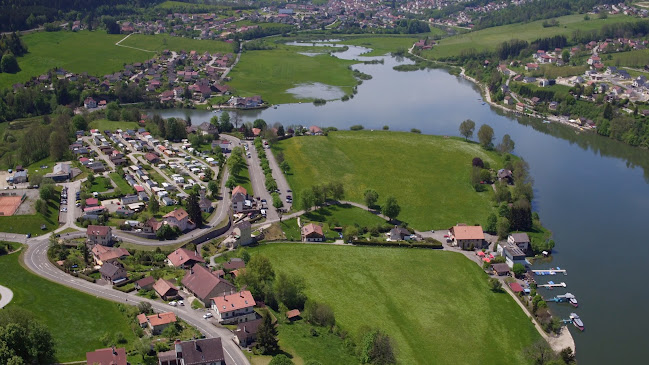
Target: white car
180,302
207,315
173,304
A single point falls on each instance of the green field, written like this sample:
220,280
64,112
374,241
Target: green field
100,185
436,305
429,175
109,125
347,215
93,52
121,184
76,320
243,179
326,348
383,45
160,42
636,58
24,224
488,39
270,73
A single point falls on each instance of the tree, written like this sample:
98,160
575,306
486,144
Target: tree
477,161
307,199
502,227
319,314
259,123
154,205
519,270
281,359
495,284
213,187
24,340
286,168
492,223
289,290
466,128
486,136
565,54
194,209
568,356
267,342
47,192
391,208
336,190
539,353
145,307
277,201
377,348
41,207
350,233
608,111
370,196
8,63
79,122
521,215
58,144
506,145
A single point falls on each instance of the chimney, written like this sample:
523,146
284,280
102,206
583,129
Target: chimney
195,345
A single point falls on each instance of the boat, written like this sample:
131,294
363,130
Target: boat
573,301
577,321
546,122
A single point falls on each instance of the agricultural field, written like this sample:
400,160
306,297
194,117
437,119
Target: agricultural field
429,302
160,42
270,73
47,50
89,317
428,175
635,58
487,39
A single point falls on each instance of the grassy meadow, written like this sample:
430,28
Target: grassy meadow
270,73
85,320
31,223
160,42
436,306
428,175
386,44
489,38
636,58
109,125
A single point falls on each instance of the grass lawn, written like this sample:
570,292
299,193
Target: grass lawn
100,185
68,230
343,215
635,58
47,50
291,229
32,223
160,42
36,166
489,38
326,348
243,179
270,73
428,175
435,305
88,317
121,184
109,125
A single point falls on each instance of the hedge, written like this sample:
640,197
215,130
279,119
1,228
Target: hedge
437,245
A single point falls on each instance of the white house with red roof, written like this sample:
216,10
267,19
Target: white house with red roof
234,308
178,218
239,197
102,235
468,237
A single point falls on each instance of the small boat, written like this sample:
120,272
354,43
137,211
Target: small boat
484,103
572,300
577,321
275,107
546,122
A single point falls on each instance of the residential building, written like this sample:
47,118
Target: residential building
205,205
100,235
208,351
109,356
200,282
184,258
102,254
178,218
234,264
61,172
312,233
399,234
468,237
500,269
522,240
90,103
246,332
239,197
513,255
145,283
234,308
112,273
156,323
165,289
20,177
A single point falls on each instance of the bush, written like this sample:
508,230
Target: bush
319,314
422,244
356,127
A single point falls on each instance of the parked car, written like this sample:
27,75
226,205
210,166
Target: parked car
180,302
207,315
28,235
173,304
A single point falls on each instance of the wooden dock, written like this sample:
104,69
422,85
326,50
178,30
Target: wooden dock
551,285
550,272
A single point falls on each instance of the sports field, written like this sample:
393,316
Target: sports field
9,205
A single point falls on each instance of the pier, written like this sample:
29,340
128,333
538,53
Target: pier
550,272
561,298
551,285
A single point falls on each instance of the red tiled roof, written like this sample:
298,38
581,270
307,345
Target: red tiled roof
239,189
516,287
97,230
201,281
312,228
181,256
468,232
162,287
179,214
110,356
232,302
292,313
161,318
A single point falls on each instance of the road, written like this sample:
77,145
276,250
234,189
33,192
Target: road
258,181
36,261
280,179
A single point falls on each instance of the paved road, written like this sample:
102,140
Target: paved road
36,261
5,296
282,184
258,180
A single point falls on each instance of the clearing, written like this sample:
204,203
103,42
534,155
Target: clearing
270,73
87,320
436,306
488,39
385,44
109,125
428,175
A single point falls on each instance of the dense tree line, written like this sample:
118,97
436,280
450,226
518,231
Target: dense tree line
638,28
537,10
24,340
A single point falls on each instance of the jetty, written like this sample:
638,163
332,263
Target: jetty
551,285
561,298
550,272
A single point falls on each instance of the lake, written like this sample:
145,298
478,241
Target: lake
592,192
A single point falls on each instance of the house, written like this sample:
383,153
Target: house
130,199
312,233
102,235
112,273
234,264
234,308
240,236
201,283
145,283
102,254
239,197
110,356
315,130
207,351
205,205
500,269
246,332
167,201
293,315
505,176
20,177
468,237
61,172
178,218
522,240
520,107
224,145
156,323
165,289
92,202
553,105
89,103
531,67
513,254
184,258
152,158
399,234
208,128
509,100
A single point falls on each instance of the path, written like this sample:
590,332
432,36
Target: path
139,49
5,296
